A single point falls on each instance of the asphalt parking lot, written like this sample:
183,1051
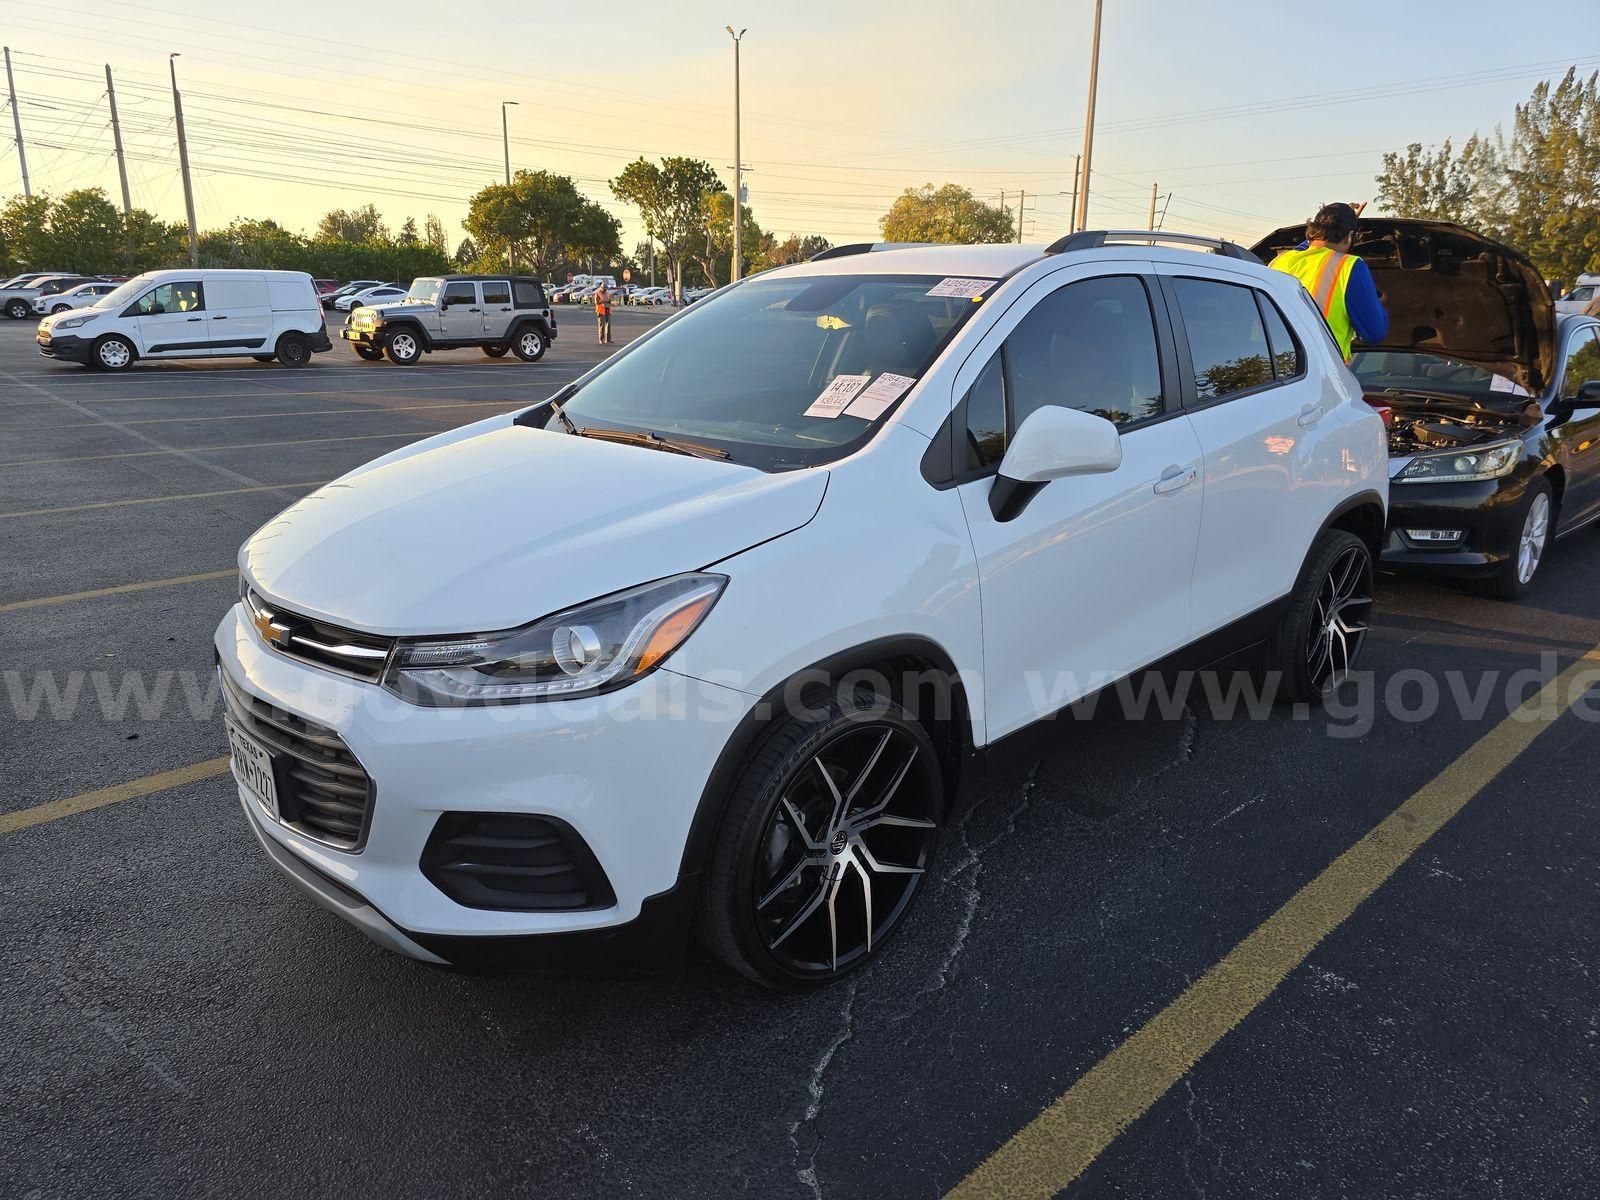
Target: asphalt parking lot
1151,932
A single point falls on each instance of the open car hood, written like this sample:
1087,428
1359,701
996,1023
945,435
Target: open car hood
1454,293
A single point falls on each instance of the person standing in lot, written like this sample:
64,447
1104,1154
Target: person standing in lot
602,314
1339,282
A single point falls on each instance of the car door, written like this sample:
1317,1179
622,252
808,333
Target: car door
239,313
497,307
1090,581
171,321
1255,408
460,312
1580,431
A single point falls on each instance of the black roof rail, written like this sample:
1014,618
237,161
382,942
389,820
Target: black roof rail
862,248
1093,239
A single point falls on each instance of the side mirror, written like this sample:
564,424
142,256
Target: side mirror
1052,443
1588,395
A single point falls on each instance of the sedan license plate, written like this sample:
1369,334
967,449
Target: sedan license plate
253,767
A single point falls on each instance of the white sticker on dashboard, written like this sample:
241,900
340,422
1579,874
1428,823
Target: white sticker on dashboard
884,391
836,396
961,289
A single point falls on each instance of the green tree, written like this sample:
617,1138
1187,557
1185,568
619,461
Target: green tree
670,197
715,252
408,235
433,234
948,214
362,224
538,219
466,253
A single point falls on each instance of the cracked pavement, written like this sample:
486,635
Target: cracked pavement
180,1022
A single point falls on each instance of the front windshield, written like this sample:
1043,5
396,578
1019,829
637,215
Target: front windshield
424,291
125,294
1406,370
778,372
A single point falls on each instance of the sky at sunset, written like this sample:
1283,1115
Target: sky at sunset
1249,114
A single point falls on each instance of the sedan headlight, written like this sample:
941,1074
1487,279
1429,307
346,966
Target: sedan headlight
1462,466
71,322
595,647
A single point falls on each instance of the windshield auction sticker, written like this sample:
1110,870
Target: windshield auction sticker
836,396
961,289
885,390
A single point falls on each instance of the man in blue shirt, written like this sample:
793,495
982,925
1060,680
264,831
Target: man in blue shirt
1339,282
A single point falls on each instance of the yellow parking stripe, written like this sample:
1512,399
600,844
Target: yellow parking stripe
27,818
72,508
362,437
1057,1145
118,590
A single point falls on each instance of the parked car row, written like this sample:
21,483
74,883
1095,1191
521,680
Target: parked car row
20,295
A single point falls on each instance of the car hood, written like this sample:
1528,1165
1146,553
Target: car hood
498,525
1453,292
88,310
400,308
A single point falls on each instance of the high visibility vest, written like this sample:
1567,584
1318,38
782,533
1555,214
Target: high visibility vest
602,304
1325,274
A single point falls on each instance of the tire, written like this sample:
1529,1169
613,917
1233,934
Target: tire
17,310
763,905
1514,578
1324,624
294,350
529,345
495,351
403,348
112,353
60,308
370,353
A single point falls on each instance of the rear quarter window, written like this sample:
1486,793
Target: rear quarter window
529,295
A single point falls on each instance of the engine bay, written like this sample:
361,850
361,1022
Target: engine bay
1421,423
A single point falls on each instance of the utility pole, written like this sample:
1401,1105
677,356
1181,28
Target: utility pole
1022,203
1088,126
652,260
1077,167
505,135
738,168
16,123
1152,226
183,163
116,138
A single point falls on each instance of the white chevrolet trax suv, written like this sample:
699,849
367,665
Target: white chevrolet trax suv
718,638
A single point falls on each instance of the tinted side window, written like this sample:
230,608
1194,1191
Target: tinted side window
1090,346
1226,338
497,291
529,295
1583,362
170,298
460,293
986,416
1288,359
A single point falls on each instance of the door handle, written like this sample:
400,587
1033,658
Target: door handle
193,318
1310,414
1174,479
476,310
213,318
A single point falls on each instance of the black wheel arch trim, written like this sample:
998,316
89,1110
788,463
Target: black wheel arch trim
961,756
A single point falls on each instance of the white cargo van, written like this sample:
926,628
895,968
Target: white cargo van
193,314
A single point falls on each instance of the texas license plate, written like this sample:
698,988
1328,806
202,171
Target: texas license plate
252,765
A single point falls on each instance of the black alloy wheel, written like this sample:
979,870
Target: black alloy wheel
825,844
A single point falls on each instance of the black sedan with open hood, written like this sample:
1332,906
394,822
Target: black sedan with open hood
1492,402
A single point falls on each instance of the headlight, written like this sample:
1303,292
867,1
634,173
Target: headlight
604,644
71,322
1462,466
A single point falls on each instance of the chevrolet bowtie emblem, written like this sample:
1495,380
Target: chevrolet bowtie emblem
271,632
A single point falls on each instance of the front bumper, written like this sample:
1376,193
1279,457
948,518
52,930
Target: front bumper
362,337
625,770
1488,514
67,347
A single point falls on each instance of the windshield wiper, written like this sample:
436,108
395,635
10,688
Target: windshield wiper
654,440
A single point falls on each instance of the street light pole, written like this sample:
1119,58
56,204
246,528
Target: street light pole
505,135
738,168
1088,126
183,162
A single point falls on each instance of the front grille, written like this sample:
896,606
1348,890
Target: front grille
514,862
347,651
323,791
